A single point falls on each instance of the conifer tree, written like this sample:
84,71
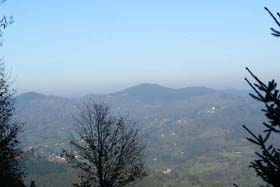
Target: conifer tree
276,19
267,163
11,172
32,184
10,165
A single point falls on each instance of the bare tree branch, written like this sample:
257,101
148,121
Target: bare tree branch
109,152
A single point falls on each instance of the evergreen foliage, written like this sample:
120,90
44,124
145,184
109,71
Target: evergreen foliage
10,166
267,163
4,22
32,184
276,20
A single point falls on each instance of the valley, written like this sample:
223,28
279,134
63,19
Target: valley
194,135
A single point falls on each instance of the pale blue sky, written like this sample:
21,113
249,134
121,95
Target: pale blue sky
79,47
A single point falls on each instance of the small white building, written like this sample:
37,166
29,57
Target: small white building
167,171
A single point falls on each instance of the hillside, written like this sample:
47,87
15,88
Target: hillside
195,132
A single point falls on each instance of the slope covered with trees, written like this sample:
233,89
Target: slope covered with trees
197,139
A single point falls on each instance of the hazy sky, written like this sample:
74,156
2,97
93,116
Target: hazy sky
78,47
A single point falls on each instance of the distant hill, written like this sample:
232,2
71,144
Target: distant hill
29,96
146,88
188,129
153,93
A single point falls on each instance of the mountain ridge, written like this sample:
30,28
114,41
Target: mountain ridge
133,89
186,129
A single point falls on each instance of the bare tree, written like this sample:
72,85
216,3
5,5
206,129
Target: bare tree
109,150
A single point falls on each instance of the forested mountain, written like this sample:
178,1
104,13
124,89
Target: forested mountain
194,134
